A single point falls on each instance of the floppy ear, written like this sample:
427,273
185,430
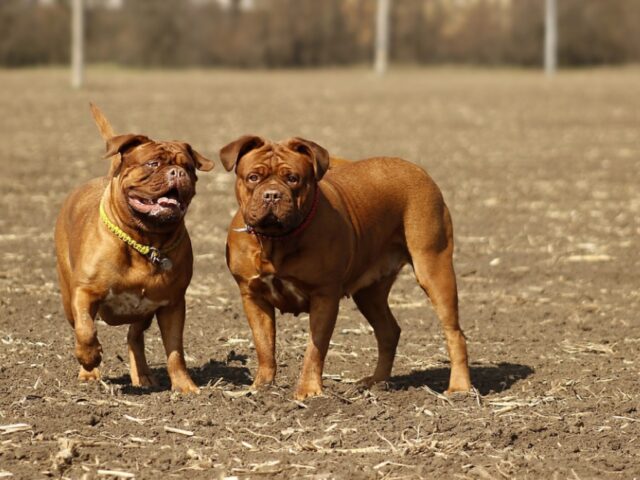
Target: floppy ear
115,143
122,143
318,155
231,154
202,163
119,144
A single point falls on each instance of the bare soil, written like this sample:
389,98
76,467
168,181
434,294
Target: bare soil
542,180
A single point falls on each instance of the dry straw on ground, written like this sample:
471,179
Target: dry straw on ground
541,178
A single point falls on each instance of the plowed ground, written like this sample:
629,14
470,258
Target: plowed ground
542,181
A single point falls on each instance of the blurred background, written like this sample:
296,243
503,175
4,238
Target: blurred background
312,33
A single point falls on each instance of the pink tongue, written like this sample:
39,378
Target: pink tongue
166,202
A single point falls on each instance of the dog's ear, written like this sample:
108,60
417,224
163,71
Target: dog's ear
115,143
231,154
318,155
122,143
202,163
119,144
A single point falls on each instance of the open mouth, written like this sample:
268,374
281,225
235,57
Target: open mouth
168,202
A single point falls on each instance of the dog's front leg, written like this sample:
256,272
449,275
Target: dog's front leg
171,323
88,349
261,317
322,320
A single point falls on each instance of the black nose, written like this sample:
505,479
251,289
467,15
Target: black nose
271,196
176,172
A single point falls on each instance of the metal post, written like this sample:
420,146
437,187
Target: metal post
551,37
382,36
77,43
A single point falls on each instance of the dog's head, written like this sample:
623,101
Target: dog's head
155,180
276,181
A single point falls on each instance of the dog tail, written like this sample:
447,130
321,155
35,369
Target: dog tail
106,131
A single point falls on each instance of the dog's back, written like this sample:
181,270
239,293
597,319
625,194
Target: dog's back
390,187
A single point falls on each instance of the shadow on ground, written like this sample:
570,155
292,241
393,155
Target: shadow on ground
486,378
213,370
210,372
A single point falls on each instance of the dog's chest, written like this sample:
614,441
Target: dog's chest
285,295
130,303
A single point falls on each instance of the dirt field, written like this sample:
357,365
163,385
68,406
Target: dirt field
542,180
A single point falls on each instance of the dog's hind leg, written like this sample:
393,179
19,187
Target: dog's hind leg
63,270
65,293
431,251
141,375
372,301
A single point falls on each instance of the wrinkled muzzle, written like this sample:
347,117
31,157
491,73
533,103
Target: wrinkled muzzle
271,209
164,196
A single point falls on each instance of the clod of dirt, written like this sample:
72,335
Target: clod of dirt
93,420
63,459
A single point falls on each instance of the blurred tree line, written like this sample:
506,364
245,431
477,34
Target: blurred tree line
300,33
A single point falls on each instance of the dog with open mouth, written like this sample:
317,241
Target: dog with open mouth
123,251
311,229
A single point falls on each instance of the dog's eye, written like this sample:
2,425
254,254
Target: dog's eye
152,163
292,179
253,177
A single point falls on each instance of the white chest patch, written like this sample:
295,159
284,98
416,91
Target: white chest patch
129,303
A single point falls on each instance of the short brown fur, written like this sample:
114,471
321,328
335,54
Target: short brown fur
373,216
100,274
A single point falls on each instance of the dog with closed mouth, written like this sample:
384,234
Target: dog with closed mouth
123,251
311,229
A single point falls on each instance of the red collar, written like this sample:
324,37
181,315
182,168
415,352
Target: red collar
296,231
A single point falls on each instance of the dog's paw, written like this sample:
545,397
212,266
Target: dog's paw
306,391
366,382
370,381
185,386
145,380
89,355
92,375
462,395
462,387
263,380
260,386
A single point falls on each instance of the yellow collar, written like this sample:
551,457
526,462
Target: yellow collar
155,256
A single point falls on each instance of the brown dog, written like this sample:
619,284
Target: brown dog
123,251
300,244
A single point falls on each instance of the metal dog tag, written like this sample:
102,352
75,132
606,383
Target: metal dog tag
160,260
166,264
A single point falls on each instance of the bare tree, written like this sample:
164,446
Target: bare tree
77,43
551,37
382,36
174,33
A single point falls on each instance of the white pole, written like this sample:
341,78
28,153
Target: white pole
77,43
551,37
382,36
